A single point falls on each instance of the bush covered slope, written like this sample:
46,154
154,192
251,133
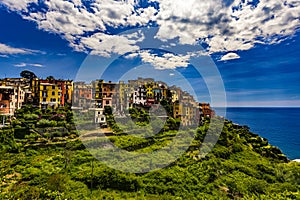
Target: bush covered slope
53,165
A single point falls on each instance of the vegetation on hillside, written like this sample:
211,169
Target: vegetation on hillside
42,157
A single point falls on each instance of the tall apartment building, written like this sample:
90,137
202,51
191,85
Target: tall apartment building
123,97
139,96
51,93
11,99
103,93
82,96
206,111
23,83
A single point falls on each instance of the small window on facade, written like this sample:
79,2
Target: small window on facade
44,99
53,93
107,102
53,87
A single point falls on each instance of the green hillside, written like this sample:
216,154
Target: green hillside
42,157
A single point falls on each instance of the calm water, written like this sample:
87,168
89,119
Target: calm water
281,126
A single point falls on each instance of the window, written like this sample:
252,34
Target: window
44,99
107,102
53,93
44,87
53,87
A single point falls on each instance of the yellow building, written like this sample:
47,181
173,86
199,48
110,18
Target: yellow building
177,110
149,88
68,93
49,95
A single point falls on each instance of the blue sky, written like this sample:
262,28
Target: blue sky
255,45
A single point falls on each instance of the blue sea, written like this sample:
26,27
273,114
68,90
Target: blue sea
281,126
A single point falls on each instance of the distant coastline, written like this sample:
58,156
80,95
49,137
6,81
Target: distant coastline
271,123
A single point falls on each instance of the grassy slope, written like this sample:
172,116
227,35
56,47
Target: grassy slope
241,165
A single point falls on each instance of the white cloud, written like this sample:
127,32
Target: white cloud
223,27
35,65
161,62
28,64
104,45
230,56
18,5
8,50
20,65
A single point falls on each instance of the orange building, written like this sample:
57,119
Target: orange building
206,110
82,96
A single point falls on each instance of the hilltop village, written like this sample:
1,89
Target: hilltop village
143,93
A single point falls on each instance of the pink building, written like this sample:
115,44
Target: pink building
11,99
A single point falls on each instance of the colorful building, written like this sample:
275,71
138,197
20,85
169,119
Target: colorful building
206,111
51,93
82,96
11,99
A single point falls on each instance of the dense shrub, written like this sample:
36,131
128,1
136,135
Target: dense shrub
46,123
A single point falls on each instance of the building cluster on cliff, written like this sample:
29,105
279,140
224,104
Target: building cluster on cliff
143,93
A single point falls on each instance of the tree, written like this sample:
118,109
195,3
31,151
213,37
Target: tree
27,74
50,78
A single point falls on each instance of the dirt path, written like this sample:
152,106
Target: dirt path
94,134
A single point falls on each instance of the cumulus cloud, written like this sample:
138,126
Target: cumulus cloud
230,56
223,26
8,50
161,62
18,5
28,65
104,44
